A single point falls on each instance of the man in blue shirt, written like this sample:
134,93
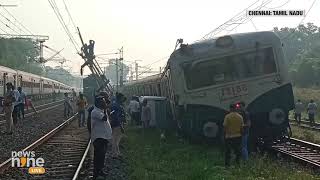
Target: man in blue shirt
117,115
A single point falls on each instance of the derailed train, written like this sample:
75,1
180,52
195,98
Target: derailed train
34,85
206,77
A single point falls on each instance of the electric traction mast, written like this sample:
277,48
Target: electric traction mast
87,54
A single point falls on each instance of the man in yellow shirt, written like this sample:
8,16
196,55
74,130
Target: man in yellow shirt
233,123
81,103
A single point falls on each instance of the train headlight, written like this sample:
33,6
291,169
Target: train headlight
210,129
277,116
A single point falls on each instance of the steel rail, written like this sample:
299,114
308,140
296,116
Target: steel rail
76,174
32,113
303,151
6,164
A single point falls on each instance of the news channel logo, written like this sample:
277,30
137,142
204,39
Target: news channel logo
28,159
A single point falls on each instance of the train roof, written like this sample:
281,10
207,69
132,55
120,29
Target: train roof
3,68
210,46
146,79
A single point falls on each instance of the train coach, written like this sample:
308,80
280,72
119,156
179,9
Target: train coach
35,86
204,78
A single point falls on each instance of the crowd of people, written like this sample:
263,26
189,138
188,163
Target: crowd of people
140,113
13,104
311,110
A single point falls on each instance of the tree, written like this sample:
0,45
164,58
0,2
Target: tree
19,54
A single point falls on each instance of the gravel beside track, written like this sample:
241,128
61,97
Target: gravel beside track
62,154
117,168
29,130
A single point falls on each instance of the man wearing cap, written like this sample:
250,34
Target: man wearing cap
8,107
101,134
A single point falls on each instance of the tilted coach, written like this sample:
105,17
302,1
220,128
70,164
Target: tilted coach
204,78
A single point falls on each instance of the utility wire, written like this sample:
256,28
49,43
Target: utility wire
12,23
64,24
57,12
291,33
17,21
279,6
4,31
66,7
9,27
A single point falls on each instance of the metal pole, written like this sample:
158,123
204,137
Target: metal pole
117,74
136,64
121,67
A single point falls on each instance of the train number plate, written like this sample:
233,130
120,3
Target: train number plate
234,91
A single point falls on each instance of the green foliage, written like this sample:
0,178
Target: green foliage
151,158
19,54
22,54
63,76
302,50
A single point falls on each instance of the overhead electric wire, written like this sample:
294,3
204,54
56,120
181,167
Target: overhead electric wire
17,21
67,9
279,6
64,25
4,31
285,37
9,27
12,23
59,16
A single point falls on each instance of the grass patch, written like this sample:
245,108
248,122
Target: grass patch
305,134
152,159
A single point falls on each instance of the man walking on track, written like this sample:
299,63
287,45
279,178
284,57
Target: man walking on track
8,107
233,123
16,108
312,109
22,100
81,103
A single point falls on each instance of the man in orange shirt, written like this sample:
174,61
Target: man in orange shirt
81,103
233,123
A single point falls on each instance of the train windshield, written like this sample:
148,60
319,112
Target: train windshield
230,68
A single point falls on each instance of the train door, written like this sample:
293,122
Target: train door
20,84
32,83
15,80
41,82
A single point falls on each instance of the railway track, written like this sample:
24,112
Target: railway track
63,149
300,150
39,109
305,124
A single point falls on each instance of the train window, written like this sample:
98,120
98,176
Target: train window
230,68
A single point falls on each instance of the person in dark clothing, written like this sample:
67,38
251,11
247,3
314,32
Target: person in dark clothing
117,115
245,131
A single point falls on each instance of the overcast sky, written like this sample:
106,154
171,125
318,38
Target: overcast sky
147,29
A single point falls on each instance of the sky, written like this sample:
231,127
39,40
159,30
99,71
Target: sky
147,30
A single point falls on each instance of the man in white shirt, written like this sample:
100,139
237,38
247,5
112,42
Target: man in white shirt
101,134
134,110
16,108
312,109
298,110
